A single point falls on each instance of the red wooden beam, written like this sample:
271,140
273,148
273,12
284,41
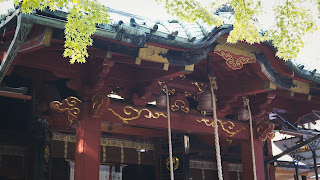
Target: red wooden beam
184,122
133,131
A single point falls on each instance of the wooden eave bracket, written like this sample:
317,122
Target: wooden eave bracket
38,42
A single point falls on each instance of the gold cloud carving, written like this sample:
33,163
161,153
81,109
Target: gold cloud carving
133,114
227,126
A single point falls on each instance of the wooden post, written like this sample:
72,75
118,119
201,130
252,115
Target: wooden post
225,170
271,170
247,170
88,132
87,157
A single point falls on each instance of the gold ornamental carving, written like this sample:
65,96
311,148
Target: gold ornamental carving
134,114
180,105
99,103
71,105
264,130
47,153
175,162
200,86
227,126
235,62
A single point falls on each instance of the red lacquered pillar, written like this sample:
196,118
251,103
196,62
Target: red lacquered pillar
247,170
87,157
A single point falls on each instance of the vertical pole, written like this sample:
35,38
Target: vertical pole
156,161
225,169
314,155
271,175
296,168
87,157
246,159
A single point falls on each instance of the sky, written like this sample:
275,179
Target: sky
309,55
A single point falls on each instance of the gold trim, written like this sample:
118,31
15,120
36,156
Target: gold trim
187,94
47,153
183,108
65,150
72,110
198,86
104,154
224,125
269,135
175,162
229,141
97,101
122,155
128,110
234,64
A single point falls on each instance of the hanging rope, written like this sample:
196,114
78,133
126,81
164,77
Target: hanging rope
169,133
246,103
214,86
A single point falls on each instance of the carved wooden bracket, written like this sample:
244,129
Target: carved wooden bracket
263,106
102,72
264,130
226,105
71,106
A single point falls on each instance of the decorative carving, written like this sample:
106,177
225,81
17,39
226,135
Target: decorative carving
128,110
99,104
102,72
234,61
187,94
269,97
264,130
179,105
175,162
57,136
200,86
227,103
47,153
11,150
171,91
229,141
71,105
227,126
196,164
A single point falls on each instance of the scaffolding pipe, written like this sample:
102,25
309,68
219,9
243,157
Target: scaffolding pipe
289,150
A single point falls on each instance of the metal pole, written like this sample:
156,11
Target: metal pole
297,174
314,155
274,158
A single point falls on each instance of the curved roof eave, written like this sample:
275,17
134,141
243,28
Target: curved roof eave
135,30
297,70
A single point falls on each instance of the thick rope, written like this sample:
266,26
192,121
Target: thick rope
213,85
169,133
246,102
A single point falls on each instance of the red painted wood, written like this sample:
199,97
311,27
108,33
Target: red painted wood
247,170
225,170
184,122
87,157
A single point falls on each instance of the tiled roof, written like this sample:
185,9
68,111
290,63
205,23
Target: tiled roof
169,32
